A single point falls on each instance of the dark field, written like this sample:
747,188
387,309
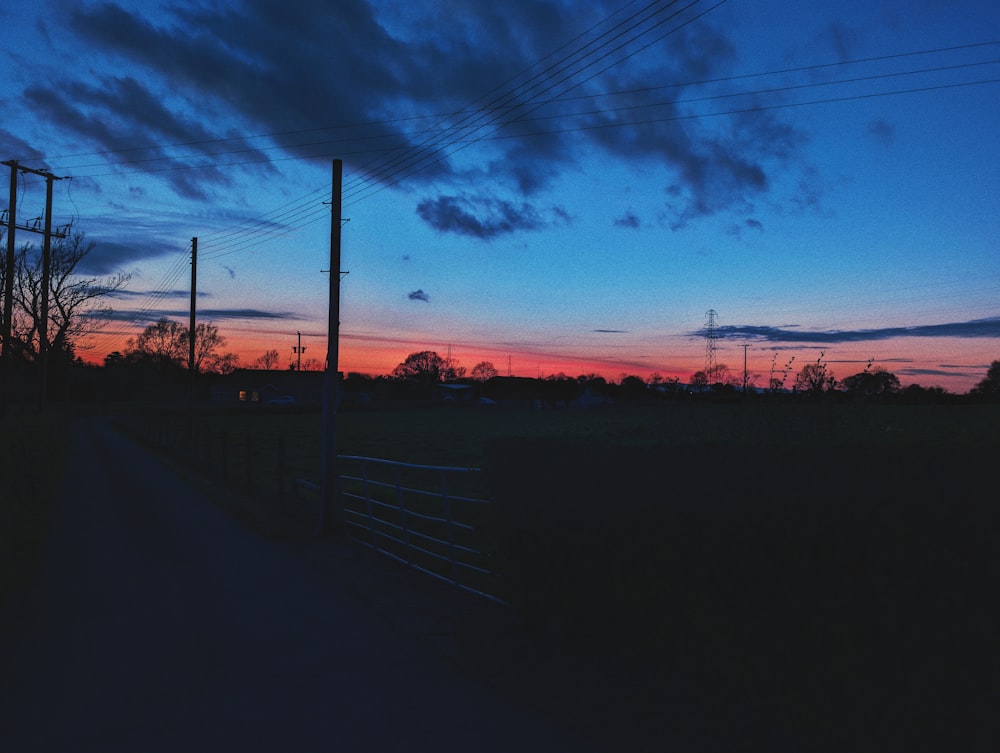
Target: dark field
797,576
457,436
814,577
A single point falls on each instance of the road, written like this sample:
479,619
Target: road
159,623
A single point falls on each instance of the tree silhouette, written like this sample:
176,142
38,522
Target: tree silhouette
424,367
989,387
77,303
815,378
871,383
267,361
161,344
164,344
483,371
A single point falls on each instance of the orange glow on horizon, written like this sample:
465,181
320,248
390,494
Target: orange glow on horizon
375,356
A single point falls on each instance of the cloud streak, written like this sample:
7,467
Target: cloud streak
213,315
989,327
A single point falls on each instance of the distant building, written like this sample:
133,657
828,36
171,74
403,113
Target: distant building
258,386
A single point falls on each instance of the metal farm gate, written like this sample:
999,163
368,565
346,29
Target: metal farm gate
428,517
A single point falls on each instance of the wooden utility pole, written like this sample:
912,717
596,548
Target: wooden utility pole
192,339
192,366
43,314
329,519
299,350
43,325
8,293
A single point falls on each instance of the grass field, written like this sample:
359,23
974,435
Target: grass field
818,576
462,436
263,452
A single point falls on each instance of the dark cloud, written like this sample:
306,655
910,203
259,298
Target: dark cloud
14,147
629,220
883,132
419,295
126,294
148,316
975,328
927,372
612,331
866,361
213,315
358,76
737,229
842,39
478,216
109,255
216,314
309,65
121,116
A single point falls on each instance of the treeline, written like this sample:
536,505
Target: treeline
155,365
428,375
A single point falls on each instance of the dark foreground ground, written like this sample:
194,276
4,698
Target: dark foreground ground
158,623
842,603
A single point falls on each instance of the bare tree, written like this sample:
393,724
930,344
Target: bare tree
268,361
312,364
208,355
162,344
165,344
77,303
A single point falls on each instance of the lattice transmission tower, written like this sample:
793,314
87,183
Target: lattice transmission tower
711,335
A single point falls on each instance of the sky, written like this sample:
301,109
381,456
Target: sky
549,185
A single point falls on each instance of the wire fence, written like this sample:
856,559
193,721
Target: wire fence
252,461
423,516
434,519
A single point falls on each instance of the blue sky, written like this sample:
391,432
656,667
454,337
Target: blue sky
557,186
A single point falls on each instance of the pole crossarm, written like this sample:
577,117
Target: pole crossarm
39,231
21,168
8,220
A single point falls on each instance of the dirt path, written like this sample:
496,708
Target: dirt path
159,623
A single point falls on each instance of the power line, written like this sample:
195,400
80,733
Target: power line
511,104
276,224
387,178
562,98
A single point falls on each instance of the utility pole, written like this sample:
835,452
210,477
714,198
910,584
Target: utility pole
8,292
744,346
192,365
328,517
299,350
48,234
